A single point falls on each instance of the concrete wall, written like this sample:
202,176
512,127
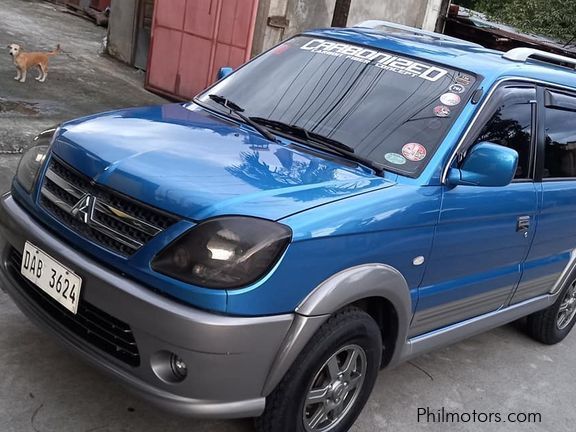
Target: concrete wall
121,29
407,12
266,36
306,14
301,15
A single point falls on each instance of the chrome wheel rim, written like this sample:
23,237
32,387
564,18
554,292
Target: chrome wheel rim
567,308
334,389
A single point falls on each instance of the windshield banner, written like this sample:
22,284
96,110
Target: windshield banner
379,59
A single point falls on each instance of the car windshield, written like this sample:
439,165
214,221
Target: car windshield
390,109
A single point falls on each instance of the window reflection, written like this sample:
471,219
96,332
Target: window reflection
294,170
560,153
511,126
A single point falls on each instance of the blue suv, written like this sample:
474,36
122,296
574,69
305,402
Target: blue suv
346,201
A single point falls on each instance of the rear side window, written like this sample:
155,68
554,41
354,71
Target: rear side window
560,136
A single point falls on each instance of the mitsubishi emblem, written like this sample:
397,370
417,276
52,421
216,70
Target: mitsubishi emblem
83,208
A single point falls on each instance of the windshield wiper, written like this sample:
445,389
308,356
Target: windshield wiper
301,133
234,108
318,141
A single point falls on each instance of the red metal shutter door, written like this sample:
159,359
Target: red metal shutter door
166,45
192,39
200,28
235,33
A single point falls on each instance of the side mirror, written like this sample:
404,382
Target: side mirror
487,164
224,72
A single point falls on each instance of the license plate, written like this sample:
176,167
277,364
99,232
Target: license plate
56,280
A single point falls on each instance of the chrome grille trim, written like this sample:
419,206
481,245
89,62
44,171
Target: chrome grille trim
55,200
84,207
71,189
125,218
121,238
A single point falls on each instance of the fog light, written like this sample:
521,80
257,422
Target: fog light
169,367
178,367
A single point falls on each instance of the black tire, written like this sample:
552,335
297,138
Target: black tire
544,326
346,334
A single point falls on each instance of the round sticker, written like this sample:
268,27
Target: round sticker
457,88
414,152
464,79
450,99
441,111
395,158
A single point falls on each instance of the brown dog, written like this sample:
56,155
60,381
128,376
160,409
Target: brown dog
25,60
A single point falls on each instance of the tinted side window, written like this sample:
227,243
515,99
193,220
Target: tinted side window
511,126
560,152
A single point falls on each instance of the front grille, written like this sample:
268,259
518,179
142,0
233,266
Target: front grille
95,326
102,216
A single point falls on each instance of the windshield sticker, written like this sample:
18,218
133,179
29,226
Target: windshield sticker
441,111
457,88
395,158
379,59
463,79
450,99
414,152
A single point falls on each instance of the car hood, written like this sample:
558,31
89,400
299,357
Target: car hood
185,160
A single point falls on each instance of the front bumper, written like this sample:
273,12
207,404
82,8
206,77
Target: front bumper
228,358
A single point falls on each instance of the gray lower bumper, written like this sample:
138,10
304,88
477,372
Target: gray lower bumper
228,358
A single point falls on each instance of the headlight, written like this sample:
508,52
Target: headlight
32,160
226,252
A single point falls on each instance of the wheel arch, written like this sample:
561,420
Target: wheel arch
385,315
378,289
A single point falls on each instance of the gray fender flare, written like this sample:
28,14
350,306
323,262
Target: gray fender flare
336,292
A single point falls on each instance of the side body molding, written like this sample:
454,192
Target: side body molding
340,290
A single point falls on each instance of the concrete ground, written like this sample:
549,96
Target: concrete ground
80,81
43,388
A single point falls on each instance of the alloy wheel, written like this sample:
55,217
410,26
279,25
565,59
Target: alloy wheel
334,389
567,309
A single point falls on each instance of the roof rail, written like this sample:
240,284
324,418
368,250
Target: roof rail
525,54
376,24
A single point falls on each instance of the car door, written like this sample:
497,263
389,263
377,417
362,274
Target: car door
555,241
484,233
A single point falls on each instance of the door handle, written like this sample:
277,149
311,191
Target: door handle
523,224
